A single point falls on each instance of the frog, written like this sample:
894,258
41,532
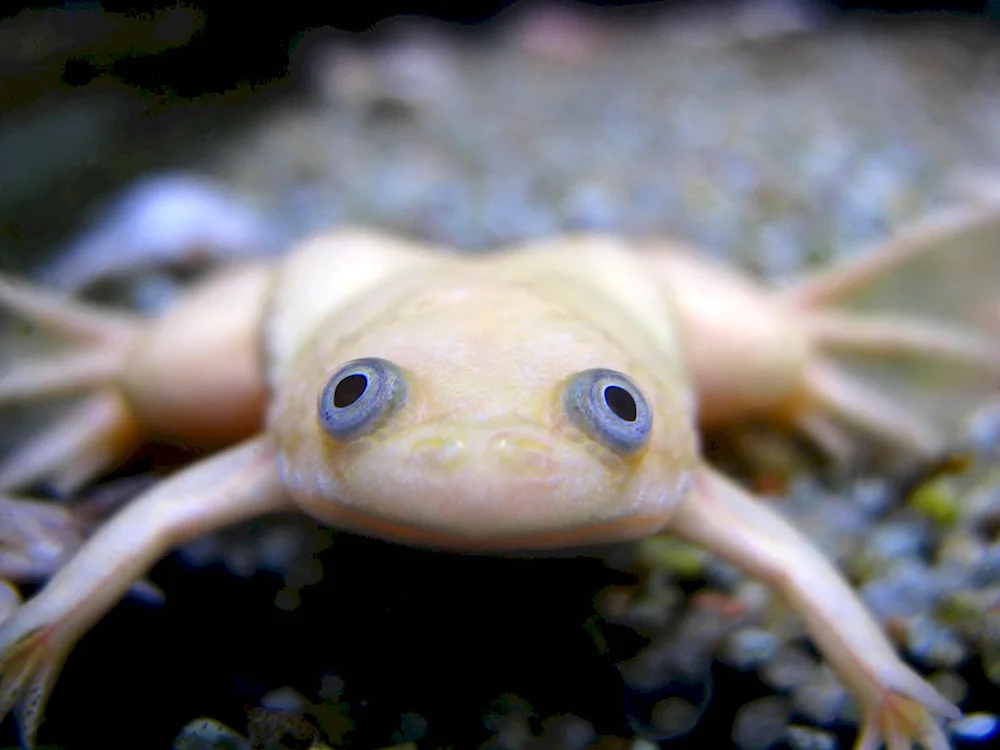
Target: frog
543,396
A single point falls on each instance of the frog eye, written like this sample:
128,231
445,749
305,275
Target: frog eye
610,408
360,396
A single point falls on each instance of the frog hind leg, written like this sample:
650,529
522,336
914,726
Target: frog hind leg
92,437
907,332
101,430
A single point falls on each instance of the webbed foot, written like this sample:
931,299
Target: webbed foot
99,431
36,538
907,331
899,722
32,653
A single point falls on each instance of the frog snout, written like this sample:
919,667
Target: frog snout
517,451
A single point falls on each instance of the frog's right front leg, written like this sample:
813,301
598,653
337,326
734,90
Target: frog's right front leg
897,706
240,483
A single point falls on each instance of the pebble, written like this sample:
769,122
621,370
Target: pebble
760,723
934,645
976,728
809,738
747,648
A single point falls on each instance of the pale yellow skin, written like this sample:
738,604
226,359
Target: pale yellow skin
482,455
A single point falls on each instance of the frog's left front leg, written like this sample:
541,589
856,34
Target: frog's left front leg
906,336
896,703
240,483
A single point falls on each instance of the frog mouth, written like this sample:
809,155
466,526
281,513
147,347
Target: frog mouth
628,528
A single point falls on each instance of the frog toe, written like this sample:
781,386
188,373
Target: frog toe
77,447
29,666
838,396
900,723
906,333
36,538
10,599
100,430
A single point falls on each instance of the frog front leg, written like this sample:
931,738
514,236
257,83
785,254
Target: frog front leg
240,483
38,537
897,705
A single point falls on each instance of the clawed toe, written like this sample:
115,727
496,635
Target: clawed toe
28,669
899,722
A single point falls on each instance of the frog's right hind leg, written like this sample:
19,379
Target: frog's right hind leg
99,432
93,437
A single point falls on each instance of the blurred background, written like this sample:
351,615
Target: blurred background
775,134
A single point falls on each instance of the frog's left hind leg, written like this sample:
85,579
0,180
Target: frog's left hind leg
906,332
101,430
836,396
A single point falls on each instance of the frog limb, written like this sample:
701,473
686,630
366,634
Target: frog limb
937,233
836,393
99,431
59,314
897,705
190,377
102,339
10,600
38,537
78,446
903,335
240,483
56,376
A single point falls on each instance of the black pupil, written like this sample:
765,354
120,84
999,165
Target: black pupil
349,390
621,403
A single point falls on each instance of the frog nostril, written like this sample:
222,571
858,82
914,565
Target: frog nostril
439,452
520,453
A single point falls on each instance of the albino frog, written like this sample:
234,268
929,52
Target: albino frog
540,397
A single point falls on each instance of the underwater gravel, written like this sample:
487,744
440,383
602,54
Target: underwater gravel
774,152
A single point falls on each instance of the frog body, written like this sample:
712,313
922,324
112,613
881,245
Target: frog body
549,395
